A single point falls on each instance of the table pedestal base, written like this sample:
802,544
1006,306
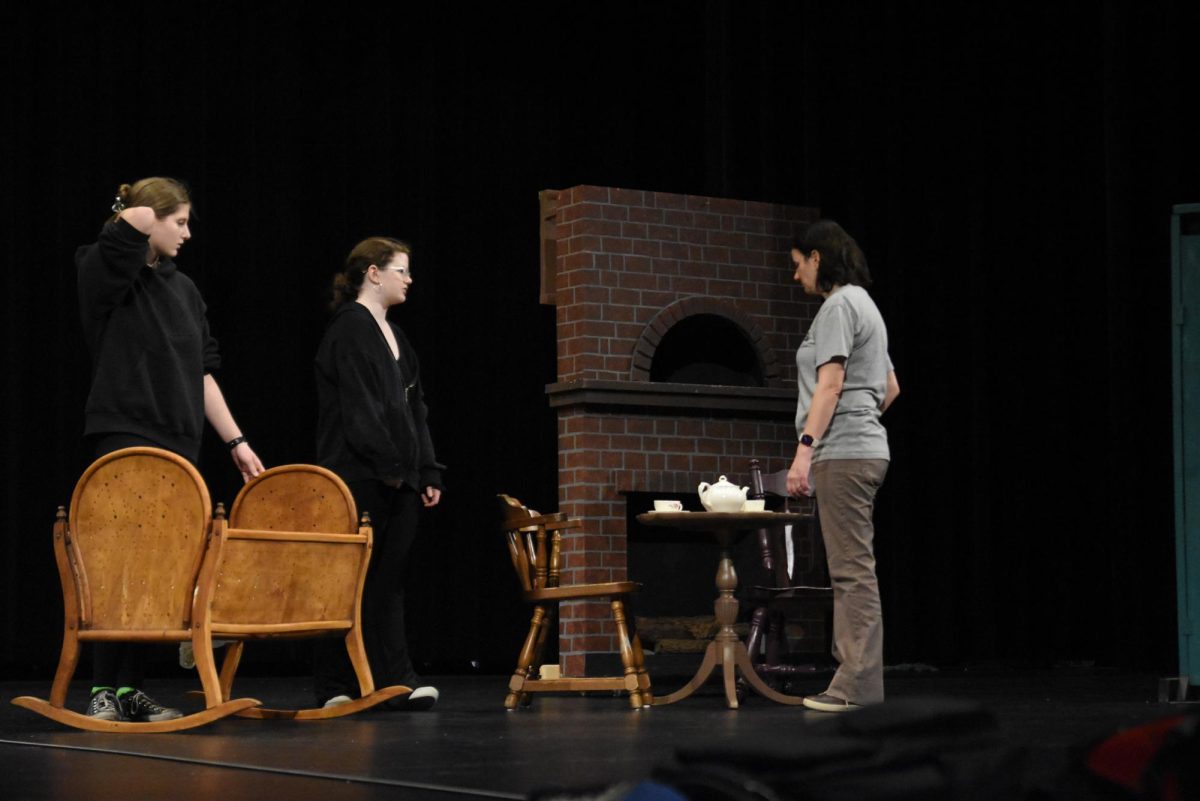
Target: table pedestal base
726,651
731,658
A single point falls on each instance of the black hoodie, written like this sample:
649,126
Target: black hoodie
149,341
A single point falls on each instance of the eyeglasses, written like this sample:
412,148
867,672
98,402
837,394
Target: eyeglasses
404,271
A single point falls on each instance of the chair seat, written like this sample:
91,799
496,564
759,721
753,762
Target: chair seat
573,591
798,591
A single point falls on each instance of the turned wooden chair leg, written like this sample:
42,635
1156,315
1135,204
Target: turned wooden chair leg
775,640
758,622
539,652
639,660
229,666
525,660
627,658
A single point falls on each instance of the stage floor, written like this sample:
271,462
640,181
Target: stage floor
469,747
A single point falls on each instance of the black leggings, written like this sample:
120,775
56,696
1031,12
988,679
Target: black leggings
394,518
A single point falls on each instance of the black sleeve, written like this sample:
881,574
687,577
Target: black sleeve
212,352
122,251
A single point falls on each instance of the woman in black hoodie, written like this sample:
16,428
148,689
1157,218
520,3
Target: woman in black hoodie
372,431
152,383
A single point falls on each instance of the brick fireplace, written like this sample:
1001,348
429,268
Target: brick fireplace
677,325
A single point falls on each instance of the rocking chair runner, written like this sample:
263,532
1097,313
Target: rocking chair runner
134,566
536,562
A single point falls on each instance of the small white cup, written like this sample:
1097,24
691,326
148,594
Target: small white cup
753,505
668,506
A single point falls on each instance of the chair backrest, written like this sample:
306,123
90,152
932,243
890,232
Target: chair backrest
791,555
296,497
535,560
137,530
293,554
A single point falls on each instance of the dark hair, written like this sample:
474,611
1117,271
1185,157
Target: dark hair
163,195
842,261
377,250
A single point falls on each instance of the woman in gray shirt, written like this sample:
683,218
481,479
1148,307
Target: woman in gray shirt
846,381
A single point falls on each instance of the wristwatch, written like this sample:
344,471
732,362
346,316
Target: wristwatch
807,440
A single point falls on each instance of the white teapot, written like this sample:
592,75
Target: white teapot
722,496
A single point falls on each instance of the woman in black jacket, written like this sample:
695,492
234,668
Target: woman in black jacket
372,431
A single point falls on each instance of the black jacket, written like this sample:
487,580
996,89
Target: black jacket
149,340
372,415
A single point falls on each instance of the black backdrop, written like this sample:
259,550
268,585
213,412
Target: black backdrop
1009,174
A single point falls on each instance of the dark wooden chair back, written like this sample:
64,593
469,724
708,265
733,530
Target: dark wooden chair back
807,567
797,585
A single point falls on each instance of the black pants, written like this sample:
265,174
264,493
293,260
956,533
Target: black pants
118,664
394,518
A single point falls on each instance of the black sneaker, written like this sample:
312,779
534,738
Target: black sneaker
141,708
105,706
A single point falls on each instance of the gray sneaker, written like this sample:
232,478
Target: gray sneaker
141,708
104,706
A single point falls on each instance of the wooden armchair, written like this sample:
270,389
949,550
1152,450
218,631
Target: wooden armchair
534,542
798,583
291,563
129,554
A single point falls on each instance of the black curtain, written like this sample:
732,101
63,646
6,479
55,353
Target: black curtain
1010,177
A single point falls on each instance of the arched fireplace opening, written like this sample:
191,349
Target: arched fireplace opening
707,349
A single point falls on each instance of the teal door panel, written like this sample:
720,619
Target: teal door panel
1185,275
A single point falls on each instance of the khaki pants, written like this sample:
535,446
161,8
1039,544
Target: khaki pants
845,490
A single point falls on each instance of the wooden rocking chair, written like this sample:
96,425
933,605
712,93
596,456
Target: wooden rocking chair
291,563
537,566
129,553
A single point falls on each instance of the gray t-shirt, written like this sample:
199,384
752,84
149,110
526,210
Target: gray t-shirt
848,325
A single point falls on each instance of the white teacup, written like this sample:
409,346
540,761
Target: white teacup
668,506
753,505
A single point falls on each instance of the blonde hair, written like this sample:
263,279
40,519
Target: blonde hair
164,195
